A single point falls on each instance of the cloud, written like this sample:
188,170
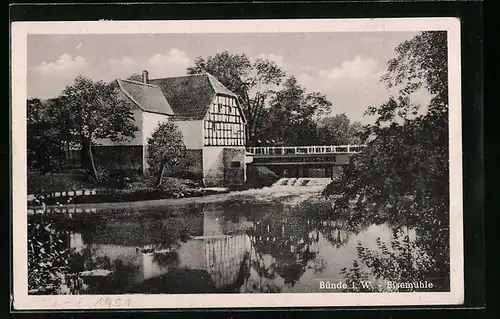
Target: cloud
278,59
49,78
174,63
124,66
358,68
352,86
65,66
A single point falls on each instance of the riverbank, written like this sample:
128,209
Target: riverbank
285,194
118,195
72,187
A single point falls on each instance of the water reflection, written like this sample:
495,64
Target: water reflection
200,248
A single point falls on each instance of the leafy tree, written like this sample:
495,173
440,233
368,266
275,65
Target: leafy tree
252,82
401,178
165,149
48,134
35,109
338,130
95,112
293,114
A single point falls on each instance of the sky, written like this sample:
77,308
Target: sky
345,66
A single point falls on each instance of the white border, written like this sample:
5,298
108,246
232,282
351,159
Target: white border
22,301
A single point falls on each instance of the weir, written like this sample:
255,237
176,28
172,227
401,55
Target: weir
302,182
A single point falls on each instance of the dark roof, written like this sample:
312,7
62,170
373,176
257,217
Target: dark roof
148,97
191,95
186,97
219,87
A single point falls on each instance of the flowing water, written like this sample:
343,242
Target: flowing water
249,241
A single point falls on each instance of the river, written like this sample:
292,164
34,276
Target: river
249,241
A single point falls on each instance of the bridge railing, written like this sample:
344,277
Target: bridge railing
296,150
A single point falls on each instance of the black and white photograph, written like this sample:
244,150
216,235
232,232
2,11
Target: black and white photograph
231,163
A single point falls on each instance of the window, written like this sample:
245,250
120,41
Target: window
235,164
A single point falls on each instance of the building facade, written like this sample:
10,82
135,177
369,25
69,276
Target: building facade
209,116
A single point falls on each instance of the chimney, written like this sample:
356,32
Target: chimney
145,77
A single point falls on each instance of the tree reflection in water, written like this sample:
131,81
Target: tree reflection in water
287,247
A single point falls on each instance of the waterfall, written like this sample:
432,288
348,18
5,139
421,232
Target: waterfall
302,182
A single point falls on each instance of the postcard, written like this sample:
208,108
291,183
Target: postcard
236,163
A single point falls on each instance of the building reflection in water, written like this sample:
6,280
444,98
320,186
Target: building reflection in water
200,249
207,246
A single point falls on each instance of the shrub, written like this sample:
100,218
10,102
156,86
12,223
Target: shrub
103,176
165,150
120,178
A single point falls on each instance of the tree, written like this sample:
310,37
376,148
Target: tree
251,81
293,114
402,175
338,130
165,149
95,112
48,134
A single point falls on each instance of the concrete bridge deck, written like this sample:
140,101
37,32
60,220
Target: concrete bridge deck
304,161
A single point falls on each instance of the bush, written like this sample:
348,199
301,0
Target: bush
103,176
121,178
165,150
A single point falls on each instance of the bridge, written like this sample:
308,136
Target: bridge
304,161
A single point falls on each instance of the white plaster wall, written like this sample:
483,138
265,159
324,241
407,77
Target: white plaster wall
150,122
212,225
192,131
137,140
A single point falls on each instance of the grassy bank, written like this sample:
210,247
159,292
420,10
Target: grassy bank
126,195
130,187
58,182
120,186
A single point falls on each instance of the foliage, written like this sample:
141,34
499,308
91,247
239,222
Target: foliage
252,82
165,149
402,176
276,108
47,258
402,261
95,112
338,130
135,77
293,112
48,136
103,176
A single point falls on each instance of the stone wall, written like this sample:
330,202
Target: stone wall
234,166
213,166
